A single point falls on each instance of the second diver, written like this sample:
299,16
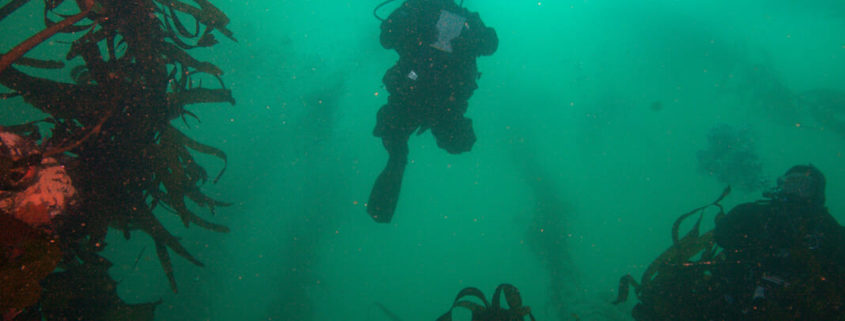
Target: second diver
430,86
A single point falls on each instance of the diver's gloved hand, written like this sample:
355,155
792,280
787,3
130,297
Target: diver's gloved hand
476,38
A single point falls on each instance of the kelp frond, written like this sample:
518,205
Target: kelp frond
115,121
181,177
678,259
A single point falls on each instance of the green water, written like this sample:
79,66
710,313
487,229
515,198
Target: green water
571,92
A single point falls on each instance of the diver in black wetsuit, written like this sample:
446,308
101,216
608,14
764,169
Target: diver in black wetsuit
438,42
785,257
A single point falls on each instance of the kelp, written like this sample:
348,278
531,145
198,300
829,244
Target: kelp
113,126
28,256
10,7
491,312
677,285
19,50
39,63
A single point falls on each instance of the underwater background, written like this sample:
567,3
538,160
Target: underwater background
599,116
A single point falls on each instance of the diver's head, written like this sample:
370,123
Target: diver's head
800,184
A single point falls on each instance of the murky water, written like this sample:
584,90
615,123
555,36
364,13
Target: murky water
608,103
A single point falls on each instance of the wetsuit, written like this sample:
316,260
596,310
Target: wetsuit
429,86
783,261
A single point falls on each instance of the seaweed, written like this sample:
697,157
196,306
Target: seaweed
18,51
491,312
678,284
23,246
113,127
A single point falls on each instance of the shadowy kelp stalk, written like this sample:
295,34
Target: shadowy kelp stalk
322,181
113,125
547,233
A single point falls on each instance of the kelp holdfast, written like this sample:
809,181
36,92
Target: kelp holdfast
494,312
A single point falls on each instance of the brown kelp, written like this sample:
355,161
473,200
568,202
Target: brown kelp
678,284
491,311
113,126
23,245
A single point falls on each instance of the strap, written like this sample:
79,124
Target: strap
375,11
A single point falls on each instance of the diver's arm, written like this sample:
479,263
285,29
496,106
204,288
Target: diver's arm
482,38
734,231
839,255
834,237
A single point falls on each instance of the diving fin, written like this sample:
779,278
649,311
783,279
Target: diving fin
385,193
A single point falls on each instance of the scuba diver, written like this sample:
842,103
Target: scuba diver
784,256
437,42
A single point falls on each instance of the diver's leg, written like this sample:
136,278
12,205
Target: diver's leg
394,130
385,193
453,131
